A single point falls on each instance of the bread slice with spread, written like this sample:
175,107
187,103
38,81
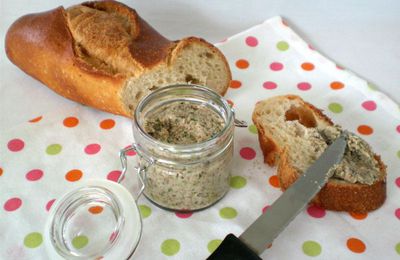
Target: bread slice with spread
293,134
103,54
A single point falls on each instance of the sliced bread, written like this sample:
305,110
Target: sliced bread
293,134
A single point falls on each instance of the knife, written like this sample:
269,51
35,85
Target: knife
259,235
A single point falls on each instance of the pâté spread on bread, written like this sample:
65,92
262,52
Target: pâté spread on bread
358,164
293,134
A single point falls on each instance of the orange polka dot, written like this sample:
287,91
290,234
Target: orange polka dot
71,121
365,130
1,171
307,66
95,209
337,85
242,64
356,245
358,215
107,124
36,119
230,102
274,181
235,84
73,175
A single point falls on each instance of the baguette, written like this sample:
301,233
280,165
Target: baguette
102,54
293,134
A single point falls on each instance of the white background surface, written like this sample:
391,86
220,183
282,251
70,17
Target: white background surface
363,36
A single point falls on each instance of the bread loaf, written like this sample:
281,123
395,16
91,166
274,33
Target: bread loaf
293,134
102,54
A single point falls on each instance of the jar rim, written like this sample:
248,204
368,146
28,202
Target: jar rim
182,148
128,226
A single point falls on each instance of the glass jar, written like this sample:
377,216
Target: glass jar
184,177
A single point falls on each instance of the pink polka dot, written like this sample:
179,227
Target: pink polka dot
130,153
265,208
276,66
92,148
316,212
269,85
398,129
369,105
304,86
183,214
12,204
397,181
397,213
339,67
15,145
49,204
34,175
113,236
247,153
251,41
114,175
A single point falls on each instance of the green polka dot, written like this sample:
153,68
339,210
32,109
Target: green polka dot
282,46
335,107
253,129
33,240
237,182
372,86
53,149
311,248
213,244
170,247
80,241
145,211
228,213
398,153
397,248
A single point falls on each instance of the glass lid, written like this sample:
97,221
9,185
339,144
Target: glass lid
99,219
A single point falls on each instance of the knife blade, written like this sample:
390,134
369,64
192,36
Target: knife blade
260,234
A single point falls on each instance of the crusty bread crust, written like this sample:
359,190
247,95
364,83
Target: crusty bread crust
42,45
269,148
336,194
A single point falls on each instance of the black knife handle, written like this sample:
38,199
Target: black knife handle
232,248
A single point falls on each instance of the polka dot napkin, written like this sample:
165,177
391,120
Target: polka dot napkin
43,158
